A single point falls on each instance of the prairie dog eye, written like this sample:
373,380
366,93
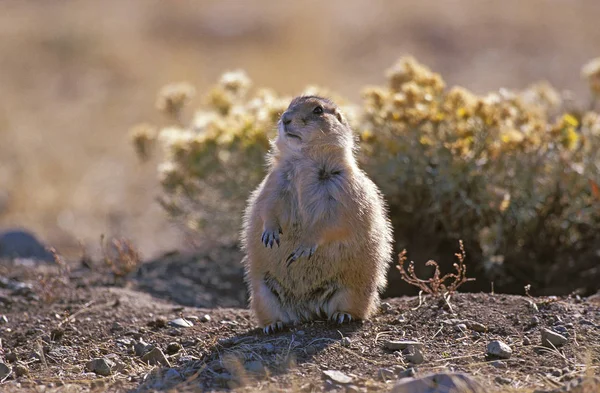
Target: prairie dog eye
318,110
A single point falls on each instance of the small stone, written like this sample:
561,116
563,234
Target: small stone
413,355
116,326
352,389
158,323
141,348
586,322
3,320
310,350
205,318
398,345
556,372
535,320
173,348
4,371
181,323
172,374
498,349
300,332
477,327
499,364
386,374
100,366
56,334
461,327
386,307
21,370
552,339
255,367
408,373
156,356
526,340
443,382
11,357
192,318
337,377
502,380
346,342
561,330
269,348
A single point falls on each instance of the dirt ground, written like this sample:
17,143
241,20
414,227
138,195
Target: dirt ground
53,324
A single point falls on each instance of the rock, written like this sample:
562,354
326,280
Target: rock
535,320
116,326
413,355
502,380
398,345
4,371
21,370
310,350
346,342
561,330
498,349
437,383
205,318
158,323
156,356
499,364
352,389
386,374
141,348
192,318
269,348
477,327
386,307
552,339
173,348
461,327
172,374
11,357
255,367
3,319
526,340
56,334
408,373
22,244
100,366
337,377
181,323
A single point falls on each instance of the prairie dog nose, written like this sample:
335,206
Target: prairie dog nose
286,118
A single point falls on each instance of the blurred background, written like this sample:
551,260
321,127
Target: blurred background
76,75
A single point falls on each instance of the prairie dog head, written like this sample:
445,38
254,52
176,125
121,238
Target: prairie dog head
313,122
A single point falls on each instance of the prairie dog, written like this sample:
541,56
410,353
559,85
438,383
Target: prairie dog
316,234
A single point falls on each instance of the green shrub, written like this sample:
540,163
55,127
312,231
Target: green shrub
514,174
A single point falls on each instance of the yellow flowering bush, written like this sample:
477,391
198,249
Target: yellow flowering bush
512,173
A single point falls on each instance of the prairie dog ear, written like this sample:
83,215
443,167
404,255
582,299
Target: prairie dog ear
340,117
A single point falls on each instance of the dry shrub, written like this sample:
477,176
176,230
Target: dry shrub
436,285
515,174
120,256
51,286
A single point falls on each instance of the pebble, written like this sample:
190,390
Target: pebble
386,307
337,377
21,370
181,323
11,357
205,318
141,348
192,318
352,389
269,348
3,319
526,340
173,348
398,345
156,356
499,364
4,371
535,320
346,342
413,355
552,339
172,374
561,330
386,374
502,380
477,327
100,366
499,349
408,373
461,327
442,382
255,367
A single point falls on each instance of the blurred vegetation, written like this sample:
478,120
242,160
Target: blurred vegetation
515,174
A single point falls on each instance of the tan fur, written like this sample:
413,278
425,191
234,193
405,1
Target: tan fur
324,205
